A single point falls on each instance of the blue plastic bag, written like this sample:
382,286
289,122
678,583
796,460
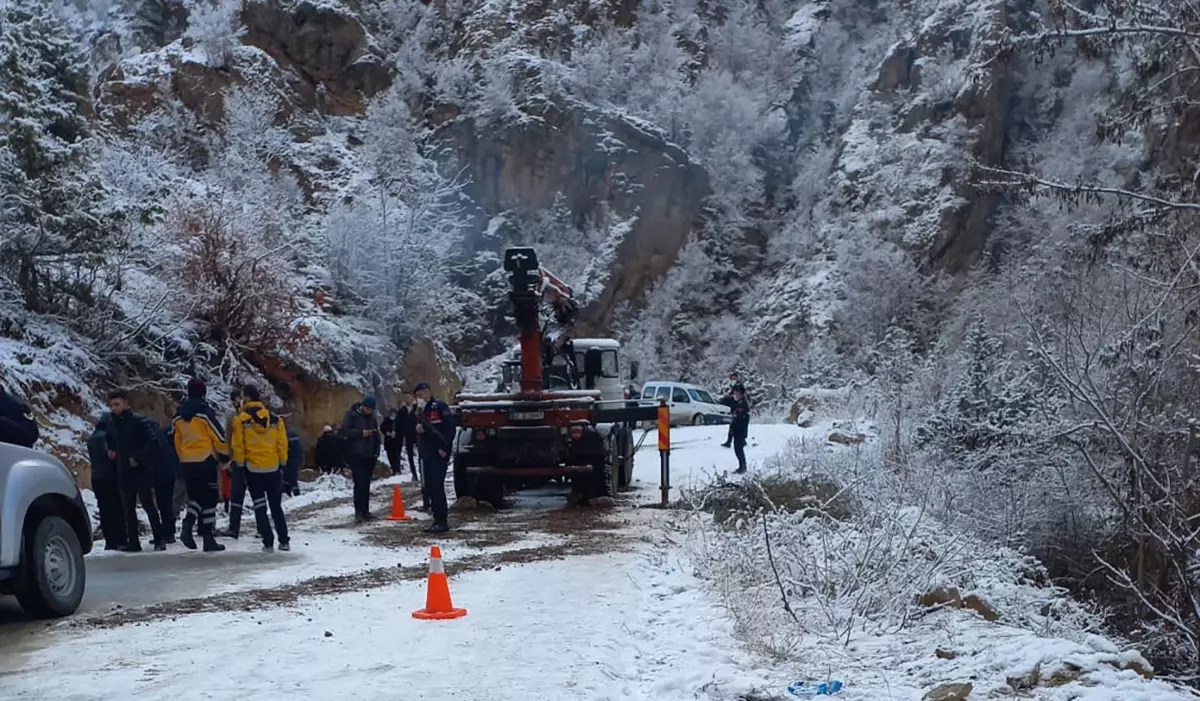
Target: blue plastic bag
828,688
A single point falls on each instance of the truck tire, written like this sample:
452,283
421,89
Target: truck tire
51,579
623,458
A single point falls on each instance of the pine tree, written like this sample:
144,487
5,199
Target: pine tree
160,22
51,203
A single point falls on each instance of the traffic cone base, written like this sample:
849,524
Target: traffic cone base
438,606
398,506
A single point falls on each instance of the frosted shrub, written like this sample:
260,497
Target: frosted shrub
216,27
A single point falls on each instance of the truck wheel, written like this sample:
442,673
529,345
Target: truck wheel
623,459
51,580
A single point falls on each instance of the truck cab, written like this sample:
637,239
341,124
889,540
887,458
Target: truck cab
610,375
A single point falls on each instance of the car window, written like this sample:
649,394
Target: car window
663,393
648,392
701,396
680,396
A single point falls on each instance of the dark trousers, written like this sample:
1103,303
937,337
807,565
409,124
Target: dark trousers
164,502
201,480
729,437
266,489
138,485
410,445
394,458
237,498
362,469
739,449
112,518
435,486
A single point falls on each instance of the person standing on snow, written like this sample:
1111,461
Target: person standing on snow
436,428
259,445
735,380
362,442
392,442
295,462
108,493
330,460
237,478
133,444
17,425
166,474
740,427
200,446
406,422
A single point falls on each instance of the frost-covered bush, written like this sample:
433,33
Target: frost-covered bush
216,26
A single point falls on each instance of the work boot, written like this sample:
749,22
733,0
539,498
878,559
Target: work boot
159,546
285,546
359,519
131,547
211,545
169,533
438,528
226,533
113,546
726,444
268,548
185,536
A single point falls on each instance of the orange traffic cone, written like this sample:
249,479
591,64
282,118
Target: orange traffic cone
438,606
398,506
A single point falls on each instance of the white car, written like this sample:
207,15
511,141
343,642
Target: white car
689,404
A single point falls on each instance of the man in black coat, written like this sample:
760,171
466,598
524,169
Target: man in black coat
330,460
735,380
108,493
17,425
133,443
360,431
393,442
740,427
406,427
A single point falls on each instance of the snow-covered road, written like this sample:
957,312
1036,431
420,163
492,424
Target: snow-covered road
560,615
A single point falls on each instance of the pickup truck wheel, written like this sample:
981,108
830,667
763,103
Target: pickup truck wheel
51,579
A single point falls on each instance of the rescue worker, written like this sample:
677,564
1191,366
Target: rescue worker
17,425
330,460
406,426
259,445
734,380
200,446
362,442
739,428
237,477
108,493
133,444
436,428
392,442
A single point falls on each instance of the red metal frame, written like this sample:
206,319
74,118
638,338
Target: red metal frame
495,418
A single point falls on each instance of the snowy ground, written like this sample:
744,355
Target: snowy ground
563,604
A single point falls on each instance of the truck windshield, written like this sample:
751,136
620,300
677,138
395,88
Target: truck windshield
609,364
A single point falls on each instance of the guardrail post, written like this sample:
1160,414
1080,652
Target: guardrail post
664,449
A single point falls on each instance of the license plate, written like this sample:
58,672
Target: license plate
527,415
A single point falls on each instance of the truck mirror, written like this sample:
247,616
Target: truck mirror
633,370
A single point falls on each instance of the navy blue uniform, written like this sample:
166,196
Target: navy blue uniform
739,429
17,425
438,438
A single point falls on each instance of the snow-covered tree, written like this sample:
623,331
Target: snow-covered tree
57,225
159,22
216,27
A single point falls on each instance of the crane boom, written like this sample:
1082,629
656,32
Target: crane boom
531,283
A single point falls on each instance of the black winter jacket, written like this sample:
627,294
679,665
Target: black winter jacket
132,435
103,468
17,425
357,446
741,418
329,451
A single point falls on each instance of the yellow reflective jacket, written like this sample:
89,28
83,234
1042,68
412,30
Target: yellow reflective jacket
198,436
259,439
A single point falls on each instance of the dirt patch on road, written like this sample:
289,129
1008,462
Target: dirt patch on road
569,532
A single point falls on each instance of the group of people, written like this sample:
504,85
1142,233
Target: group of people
176,469
739,427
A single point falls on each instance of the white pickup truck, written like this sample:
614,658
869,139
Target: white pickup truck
45,531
